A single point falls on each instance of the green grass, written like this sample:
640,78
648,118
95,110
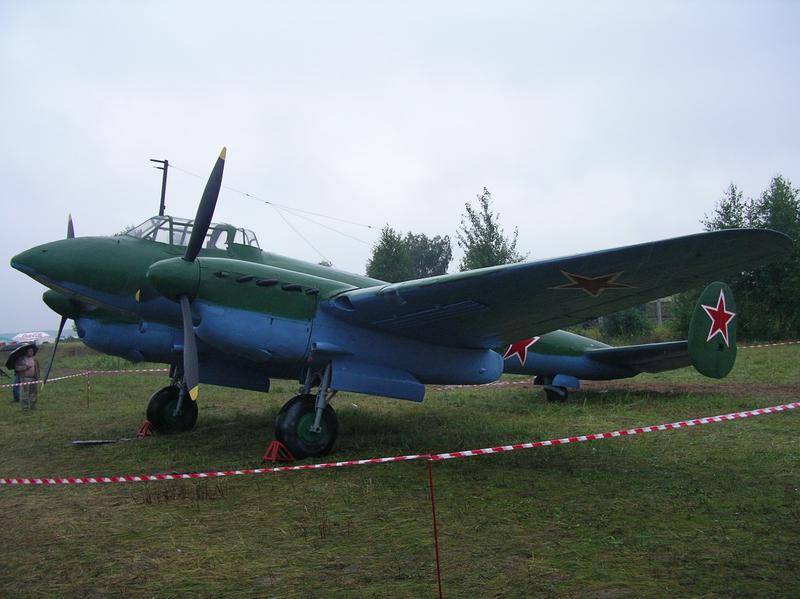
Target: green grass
712,511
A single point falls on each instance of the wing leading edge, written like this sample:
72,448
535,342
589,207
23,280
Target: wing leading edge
492,307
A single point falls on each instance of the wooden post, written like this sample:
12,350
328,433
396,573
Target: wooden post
435,529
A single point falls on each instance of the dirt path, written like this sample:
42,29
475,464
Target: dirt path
789,390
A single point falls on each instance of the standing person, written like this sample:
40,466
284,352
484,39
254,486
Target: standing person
16,388
27,367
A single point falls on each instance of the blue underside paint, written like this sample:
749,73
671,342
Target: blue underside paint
255,336
153,342
567,381
241,349
580,367
360,377
429,364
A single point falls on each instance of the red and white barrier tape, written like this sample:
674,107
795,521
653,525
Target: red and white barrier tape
769,344
84,373
134,478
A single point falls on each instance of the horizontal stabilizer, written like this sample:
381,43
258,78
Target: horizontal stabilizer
648,357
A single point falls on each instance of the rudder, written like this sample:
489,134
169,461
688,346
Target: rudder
712,331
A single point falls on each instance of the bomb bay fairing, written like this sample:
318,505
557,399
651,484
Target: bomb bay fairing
205,299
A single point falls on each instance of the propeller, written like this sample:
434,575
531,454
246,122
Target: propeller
202,221
205,211
70,235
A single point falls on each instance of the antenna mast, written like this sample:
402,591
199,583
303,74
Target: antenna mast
165,168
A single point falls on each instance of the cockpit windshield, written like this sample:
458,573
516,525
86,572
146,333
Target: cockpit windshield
177,231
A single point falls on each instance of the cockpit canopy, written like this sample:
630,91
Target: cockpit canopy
177,231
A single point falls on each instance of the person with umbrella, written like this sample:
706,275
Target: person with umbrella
26,366
16,350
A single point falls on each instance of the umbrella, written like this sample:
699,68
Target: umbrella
18,352
33,337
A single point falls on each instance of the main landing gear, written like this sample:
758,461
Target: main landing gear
307,424
171,410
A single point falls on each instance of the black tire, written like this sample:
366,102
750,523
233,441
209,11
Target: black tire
556,397
160,410
293,422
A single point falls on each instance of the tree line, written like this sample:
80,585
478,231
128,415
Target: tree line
397,257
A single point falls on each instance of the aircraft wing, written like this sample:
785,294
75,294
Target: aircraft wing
492,307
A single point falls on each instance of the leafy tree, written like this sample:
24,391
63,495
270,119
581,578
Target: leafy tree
770,294
626,323
398,258
729,213
766,297
482,239
391,258
429,256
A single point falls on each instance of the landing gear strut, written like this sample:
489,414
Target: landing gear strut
307,424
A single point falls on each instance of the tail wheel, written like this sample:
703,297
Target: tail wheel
557,394
292,427
161,411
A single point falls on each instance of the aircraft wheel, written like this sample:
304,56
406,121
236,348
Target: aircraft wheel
293,423
554,396
161,407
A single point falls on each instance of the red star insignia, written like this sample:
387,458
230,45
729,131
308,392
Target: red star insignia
520,349
594,286
720,318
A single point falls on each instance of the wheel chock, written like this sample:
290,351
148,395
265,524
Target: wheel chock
144,430
277,452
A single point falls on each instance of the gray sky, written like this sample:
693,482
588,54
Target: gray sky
593,124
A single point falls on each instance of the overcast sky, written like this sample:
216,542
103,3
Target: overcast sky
593,124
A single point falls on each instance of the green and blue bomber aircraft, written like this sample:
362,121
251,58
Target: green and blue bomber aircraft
205,299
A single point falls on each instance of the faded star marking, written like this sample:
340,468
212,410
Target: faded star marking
594,286
520,349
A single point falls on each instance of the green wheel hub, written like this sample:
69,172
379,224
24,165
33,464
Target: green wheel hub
161,411
304,424
293,427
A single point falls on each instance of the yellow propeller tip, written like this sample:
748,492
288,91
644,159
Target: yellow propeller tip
222,154
194,392
138,295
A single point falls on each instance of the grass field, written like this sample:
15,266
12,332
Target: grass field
711,511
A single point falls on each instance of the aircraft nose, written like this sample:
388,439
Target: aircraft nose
84,265
32,262
58,261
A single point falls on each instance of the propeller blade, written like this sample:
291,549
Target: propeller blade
191,369
205,211
55,347
70,228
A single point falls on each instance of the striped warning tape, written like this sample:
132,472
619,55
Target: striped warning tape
83,373
131,478
769,344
